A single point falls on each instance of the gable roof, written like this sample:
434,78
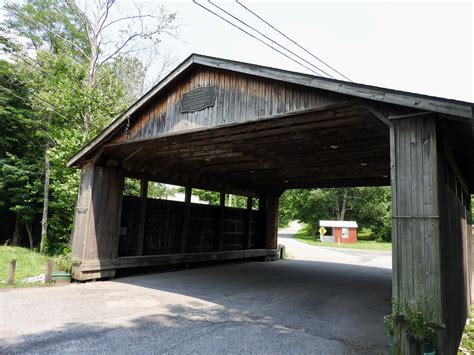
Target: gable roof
423,102
338,224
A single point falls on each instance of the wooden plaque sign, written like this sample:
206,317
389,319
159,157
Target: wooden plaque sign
198,99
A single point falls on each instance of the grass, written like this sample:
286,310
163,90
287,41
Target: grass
28,263
304,235
467,341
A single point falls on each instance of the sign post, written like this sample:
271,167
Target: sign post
322,231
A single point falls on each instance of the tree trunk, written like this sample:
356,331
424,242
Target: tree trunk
93,37
30,233
344,202
16,231
44,219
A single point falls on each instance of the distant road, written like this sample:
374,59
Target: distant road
302,251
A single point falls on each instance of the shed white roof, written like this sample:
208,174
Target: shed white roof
344,224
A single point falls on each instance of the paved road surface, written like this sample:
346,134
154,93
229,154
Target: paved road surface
303,251
280,307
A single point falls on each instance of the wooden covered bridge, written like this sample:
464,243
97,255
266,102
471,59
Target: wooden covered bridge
255,131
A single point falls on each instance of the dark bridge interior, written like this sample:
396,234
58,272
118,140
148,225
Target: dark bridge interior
332,146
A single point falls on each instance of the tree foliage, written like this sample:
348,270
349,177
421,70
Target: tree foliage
369,206
70,71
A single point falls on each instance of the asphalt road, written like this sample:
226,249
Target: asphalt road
280,307
303,251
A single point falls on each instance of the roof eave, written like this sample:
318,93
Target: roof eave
76,159
423,102
418,101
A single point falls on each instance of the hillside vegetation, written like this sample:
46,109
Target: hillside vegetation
28,263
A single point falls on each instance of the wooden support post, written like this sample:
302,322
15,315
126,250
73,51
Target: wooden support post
220,223
187,220
49,271
271,222
11,272
417,275
141,226
261,223
248,223
97,219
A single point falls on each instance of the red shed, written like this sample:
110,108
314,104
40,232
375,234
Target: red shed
339,231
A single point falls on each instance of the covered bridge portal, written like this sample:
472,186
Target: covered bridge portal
255,131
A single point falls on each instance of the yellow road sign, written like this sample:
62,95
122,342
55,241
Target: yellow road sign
322,231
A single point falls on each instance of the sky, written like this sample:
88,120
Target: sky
422,47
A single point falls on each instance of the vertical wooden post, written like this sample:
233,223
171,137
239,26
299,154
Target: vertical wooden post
49,271
248,223
11,272
187,219
220,223
261,221
97,219
417,278
271,222
141,226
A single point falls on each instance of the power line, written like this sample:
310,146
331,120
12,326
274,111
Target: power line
288,38
54,110
31,20
11,92
49,103
270,39
26,99
258,39
38,67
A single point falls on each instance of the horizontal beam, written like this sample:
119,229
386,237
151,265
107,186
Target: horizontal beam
196,184
171,259
324,113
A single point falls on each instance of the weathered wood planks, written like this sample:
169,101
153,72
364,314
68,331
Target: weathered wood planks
142,216
456,231
210,228
295,148
157,260
97,217
430,226
417,279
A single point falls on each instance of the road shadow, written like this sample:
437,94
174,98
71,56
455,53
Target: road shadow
330,300
191,331
286,306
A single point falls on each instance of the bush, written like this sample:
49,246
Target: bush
65,262
365,234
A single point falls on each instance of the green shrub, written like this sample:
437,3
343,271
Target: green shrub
365,234
389,323
419,326
64,262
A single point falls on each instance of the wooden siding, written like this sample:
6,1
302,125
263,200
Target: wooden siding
431,229
164,228
279,152
98,210
352,238
94,266
415,218
456,230
397,99
239,98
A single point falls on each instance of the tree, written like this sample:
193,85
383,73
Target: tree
19,156
73,64
369,206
